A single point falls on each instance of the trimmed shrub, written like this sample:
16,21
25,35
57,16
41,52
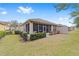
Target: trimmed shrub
8,32
17,32
33,37
21,33
24,36
2,34
37,36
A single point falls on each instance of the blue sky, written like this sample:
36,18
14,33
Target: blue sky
24,11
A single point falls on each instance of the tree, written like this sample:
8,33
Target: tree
74,14
13,25
77,21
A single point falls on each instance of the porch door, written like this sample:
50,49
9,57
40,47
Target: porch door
44,28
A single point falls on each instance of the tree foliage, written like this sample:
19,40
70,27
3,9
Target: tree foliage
77,21
13,24
74,13
62,6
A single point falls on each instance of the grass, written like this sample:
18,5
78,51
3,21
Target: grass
62,44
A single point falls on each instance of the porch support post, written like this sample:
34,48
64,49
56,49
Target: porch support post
38,27
30,28
51,28
24,28
43,28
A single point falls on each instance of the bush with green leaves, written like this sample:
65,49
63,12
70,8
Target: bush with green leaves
2,34
24,36
21,33
8,32
18,32
37,36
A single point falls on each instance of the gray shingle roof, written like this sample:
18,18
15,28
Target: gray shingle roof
61,25
38,20
4,23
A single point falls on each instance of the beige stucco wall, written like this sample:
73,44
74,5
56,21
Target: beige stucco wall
71,28
52,28
65,29
62,29
30,27
21,28
3,27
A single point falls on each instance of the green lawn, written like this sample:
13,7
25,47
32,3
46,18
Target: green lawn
62,44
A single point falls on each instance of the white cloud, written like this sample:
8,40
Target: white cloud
65,21
18,10
3,11
25,10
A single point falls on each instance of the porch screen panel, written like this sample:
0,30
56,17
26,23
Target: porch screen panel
40,28
35,27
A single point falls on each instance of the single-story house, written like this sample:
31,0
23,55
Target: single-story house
7,26
62,29
40,25
4,26
71,28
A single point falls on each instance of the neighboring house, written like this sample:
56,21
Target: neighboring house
62,29
19,27
71,28
8,26
40,25
4,26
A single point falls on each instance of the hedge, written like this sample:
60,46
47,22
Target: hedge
2,34
8,32
18,32
37,36
22,34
